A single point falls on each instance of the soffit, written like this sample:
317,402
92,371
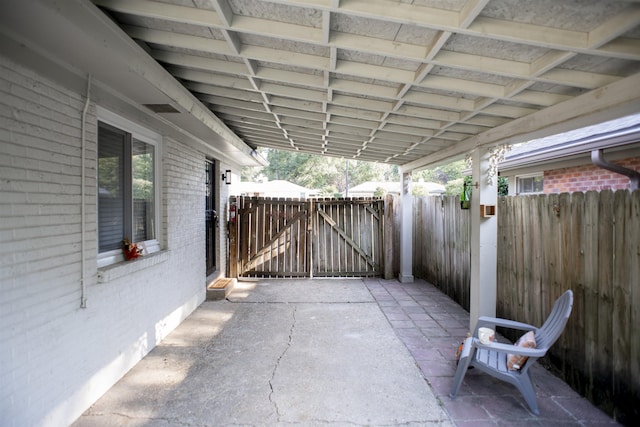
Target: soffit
385,81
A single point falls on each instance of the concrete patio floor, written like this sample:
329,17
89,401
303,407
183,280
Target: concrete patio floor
339,352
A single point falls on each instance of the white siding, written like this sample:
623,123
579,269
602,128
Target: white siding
56,358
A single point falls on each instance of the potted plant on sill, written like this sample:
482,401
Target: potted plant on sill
130,250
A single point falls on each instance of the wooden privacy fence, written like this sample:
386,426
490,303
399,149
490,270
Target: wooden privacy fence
441,233
587,242
305,238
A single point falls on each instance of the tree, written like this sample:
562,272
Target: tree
442,174
300,168
142,180
327,174
380,192
503,186
454,187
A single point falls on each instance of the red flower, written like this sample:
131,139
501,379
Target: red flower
130,250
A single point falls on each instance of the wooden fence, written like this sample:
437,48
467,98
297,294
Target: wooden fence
347,236
587,242
275,237
441,242
272,237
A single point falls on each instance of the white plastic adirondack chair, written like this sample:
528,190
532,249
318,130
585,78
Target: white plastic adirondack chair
492,358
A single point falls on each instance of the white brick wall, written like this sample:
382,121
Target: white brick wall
56,358
223,208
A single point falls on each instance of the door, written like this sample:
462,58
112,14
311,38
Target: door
211,217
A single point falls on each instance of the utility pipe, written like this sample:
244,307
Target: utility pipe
83,298
597,157
346,191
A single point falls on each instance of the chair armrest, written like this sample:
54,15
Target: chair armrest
510,348
496,321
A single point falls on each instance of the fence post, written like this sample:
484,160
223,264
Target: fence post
387,248
232,228
309,231
406,230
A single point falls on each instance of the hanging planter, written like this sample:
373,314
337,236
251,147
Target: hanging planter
465,197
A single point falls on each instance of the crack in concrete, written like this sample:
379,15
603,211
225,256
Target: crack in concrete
277,365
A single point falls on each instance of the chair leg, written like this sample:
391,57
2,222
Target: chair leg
528,392
463,366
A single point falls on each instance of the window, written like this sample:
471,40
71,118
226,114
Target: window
127,191
530,184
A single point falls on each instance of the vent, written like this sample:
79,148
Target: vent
161,108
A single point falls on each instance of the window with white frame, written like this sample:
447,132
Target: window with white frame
529,184
127,188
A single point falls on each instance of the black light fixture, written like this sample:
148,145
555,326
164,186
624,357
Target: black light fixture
226,176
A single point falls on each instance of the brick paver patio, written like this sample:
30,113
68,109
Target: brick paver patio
431,325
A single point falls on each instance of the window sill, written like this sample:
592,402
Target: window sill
124,268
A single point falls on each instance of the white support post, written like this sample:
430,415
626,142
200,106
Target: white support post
406,230
484,239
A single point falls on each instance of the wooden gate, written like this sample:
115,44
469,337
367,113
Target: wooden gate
347,237
272,237
306,238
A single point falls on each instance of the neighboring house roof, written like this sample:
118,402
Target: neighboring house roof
430,187
276,188
617,136
370,187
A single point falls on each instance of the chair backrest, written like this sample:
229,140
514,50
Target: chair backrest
552,328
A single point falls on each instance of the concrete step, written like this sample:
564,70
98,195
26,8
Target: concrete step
220,288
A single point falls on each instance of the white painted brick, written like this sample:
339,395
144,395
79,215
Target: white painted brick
56,358
10,152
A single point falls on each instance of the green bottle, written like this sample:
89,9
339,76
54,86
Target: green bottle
465,199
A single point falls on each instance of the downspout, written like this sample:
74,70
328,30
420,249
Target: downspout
83,298
597,157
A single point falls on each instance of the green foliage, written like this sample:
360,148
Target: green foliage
303,169
142,189
454,188
110,175
391,174
380,192
503,186
330,191
143,176
254,174
418,191
442,174
329,174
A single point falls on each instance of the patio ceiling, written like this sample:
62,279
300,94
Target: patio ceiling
384,81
